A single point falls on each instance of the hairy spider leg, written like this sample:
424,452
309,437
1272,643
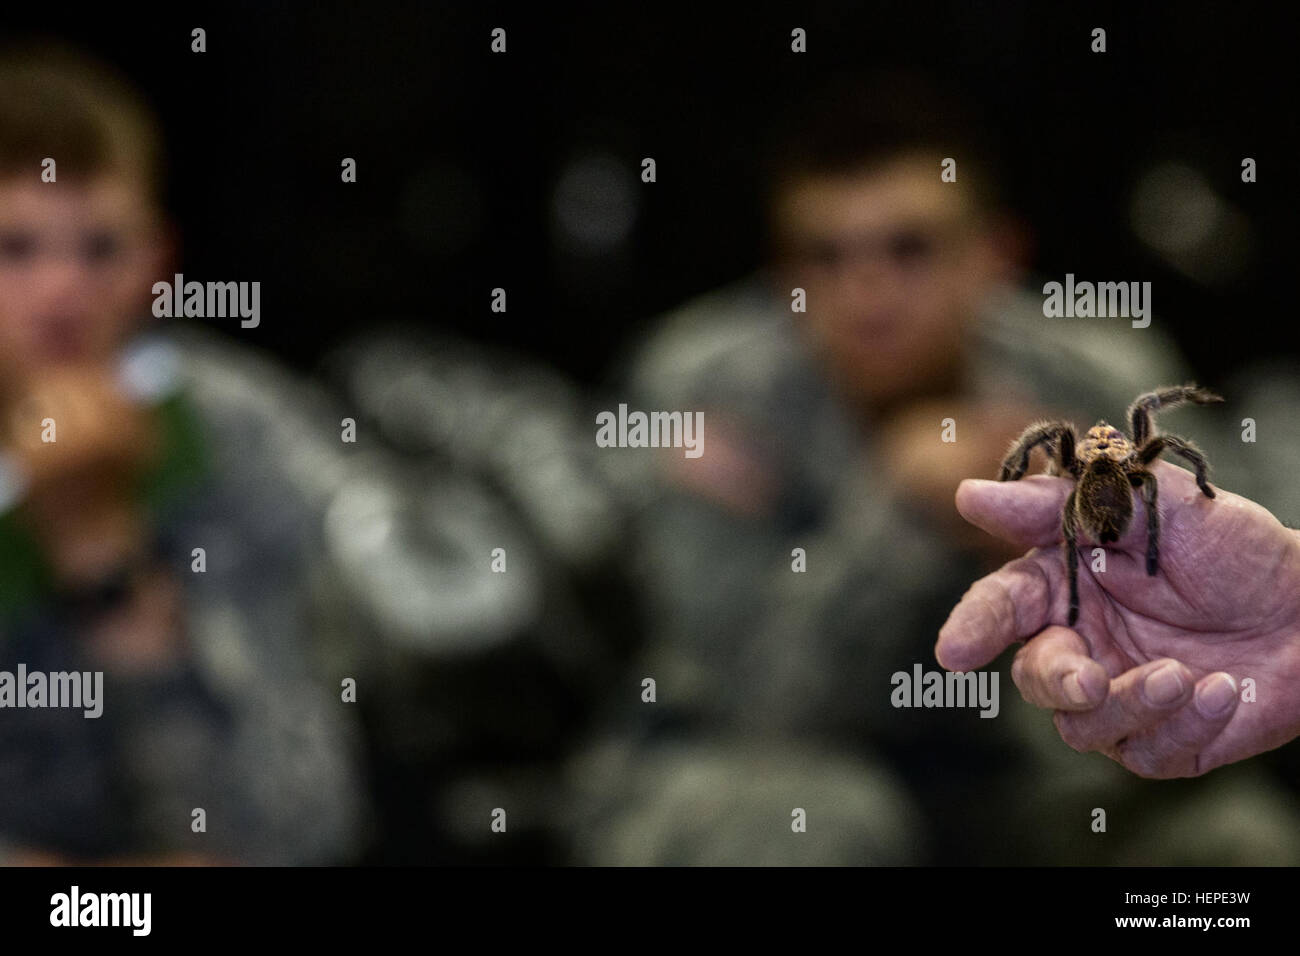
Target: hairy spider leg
1182,447
1069,525
1065,452
1150,492
1059,436
1145,405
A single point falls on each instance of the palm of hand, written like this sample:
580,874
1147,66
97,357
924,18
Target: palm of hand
1226,597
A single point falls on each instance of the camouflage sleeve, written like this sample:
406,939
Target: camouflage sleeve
252,730
254,770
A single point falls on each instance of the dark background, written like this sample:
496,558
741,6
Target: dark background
460,150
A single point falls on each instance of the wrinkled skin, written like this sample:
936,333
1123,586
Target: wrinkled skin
1226,601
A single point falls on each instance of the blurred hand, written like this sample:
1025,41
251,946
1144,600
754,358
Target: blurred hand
79,502
98,428
1151,674
924,469
731,474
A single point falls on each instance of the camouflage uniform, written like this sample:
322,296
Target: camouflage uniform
773,687
248,725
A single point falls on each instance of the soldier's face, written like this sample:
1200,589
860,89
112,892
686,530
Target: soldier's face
894,265
77,260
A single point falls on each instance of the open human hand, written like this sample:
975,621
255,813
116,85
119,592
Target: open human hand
1152,673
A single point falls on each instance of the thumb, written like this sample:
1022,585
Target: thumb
1026,513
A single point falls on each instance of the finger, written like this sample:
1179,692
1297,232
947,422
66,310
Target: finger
1011,604
1027,512
1174,747
1139,699
1054,671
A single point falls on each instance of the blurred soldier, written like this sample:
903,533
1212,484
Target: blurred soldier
813,550
160,520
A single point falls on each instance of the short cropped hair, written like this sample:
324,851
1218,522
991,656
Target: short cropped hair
59,103
857,124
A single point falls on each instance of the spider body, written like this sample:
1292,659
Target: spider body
1107,466
1104,499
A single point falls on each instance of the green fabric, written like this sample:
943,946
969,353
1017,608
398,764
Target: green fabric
184,461
25,576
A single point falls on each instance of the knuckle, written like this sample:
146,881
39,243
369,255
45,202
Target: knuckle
995,597
1187,737
1144,762
1018,675
1069,730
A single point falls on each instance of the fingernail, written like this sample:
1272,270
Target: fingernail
1217,696
1074,690
1164,685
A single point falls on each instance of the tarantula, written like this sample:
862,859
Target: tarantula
1104,466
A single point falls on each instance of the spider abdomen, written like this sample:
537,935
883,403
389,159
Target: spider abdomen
1105,500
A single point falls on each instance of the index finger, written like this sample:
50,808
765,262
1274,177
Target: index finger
1012,604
